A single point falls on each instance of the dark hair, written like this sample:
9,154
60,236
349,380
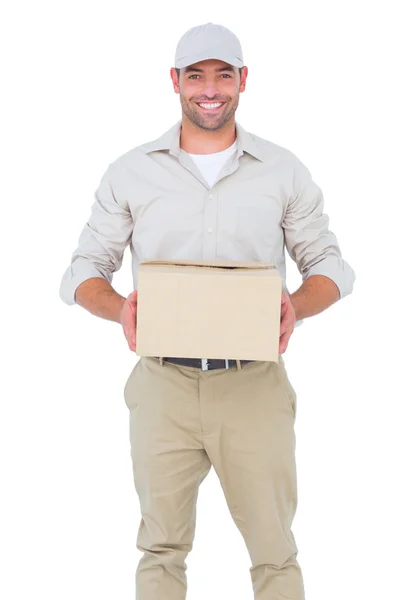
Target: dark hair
178,71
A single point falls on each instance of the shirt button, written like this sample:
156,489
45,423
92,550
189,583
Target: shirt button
210,197
209,229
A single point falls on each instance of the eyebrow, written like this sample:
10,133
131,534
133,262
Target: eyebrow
196,70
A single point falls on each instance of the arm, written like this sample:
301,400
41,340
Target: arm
101,245
98,297
315,249
314,295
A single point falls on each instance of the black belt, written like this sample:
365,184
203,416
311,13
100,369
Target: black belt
207,365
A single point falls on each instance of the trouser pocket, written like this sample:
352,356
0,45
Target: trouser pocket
288,389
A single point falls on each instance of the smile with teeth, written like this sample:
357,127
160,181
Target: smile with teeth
209,106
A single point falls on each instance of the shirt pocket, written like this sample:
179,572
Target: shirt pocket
256,223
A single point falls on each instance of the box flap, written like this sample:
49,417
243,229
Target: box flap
221,263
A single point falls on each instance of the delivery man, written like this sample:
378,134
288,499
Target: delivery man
208,189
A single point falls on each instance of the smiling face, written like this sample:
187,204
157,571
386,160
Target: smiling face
209,92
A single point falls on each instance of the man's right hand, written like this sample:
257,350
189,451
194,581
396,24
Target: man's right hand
128,319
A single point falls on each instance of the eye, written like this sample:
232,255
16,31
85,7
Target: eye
223,75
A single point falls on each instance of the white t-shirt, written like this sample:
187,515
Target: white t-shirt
211,164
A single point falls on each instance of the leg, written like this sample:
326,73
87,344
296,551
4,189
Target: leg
252,448
169,463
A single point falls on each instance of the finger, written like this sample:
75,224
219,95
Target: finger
283,342
132,297
284,311
130,338
285,303
287,326
285,315
284,322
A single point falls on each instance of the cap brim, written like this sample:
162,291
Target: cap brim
185,61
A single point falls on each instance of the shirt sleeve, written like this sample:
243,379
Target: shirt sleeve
308,239
102,242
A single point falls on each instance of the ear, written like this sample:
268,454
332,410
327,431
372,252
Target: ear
243,78
175,81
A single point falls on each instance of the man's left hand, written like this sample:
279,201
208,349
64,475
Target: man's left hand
288,320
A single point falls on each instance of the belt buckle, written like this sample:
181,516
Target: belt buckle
204,364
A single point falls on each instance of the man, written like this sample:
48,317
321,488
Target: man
208,189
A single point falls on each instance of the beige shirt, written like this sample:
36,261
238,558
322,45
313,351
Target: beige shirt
156,200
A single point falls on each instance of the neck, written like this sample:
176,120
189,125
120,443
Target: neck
195,140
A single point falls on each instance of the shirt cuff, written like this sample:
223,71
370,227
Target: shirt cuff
336,269
80,270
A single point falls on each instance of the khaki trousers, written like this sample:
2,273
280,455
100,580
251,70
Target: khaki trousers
240,421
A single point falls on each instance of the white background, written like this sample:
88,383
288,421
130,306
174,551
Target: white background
85,81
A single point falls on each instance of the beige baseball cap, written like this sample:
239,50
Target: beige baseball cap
208,41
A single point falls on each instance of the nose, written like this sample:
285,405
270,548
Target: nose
210,89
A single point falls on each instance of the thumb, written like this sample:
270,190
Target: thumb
132,297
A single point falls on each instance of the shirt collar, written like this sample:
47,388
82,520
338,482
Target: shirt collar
170,140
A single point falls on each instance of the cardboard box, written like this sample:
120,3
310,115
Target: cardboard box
208,309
